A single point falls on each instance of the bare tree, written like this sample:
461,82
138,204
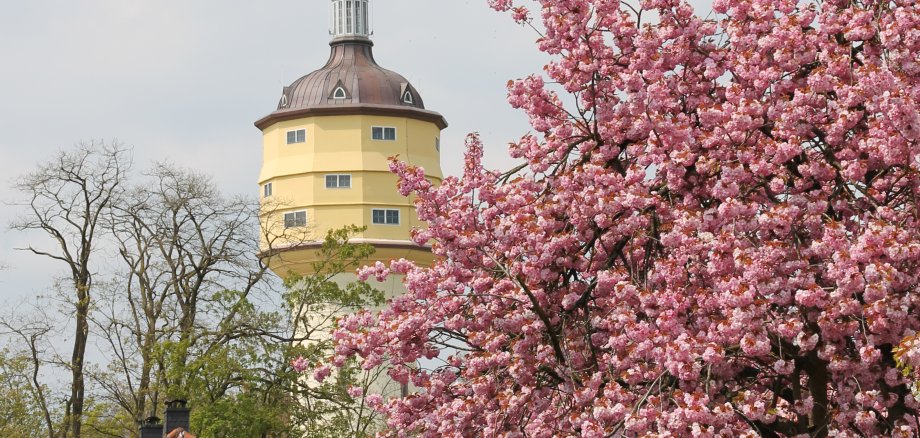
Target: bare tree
189,266
67,200
179,310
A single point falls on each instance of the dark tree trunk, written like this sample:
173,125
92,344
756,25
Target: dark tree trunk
81,334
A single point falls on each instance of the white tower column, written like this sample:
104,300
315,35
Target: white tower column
350,18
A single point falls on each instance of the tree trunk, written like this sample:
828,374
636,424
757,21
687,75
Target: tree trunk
817,387
77,389
143,386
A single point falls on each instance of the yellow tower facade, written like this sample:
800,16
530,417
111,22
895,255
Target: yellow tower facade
326,149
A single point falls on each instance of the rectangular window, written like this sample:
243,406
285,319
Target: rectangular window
338,181
298,136
383,133
295,219
349,16
267,190
437,144
367,26
385,216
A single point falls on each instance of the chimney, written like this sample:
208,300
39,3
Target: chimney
151,428
177,415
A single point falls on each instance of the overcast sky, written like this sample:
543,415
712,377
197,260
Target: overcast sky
184,80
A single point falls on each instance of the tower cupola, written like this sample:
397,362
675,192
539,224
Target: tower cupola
350,18
351,81
326,150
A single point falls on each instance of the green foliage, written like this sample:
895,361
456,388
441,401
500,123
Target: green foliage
316,301
328,411
230,375
206,364
20,415
238,415
319,292
237,375
104,419
902,354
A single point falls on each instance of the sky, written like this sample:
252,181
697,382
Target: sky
183,81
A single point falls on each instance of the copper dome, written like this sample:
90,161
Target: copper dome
351,82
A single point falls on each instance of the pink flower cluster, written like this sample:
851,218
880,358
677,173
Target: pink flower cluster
717,233
300,364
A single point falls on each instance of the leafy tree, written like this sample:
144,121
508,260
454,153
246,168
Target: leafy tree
330,403
27,396
239,375
18,401
236,415
101,418
714,232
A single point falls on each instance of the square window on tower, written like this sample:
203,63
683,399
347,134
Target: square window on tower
382,216
297,136
295,219
383,133
338,181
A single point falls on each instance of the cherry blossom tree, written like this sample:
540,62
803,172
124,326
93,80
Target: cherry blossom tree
715,232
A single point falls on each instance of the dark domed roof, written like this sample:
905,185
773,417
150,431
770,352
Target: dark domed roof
351,82
351,66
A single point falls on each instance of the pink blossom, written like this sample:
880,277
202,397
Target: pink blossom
714,233
321,373
300,364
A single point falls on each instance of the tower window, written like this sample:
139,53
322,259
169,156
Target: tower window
349,17
295,219
437,144
341,20
407,98
383,133
339,93
382,216
267,190
298,136
338,181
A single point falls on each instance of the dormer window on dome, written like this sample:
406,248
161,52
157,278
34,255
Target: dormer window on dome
339,92
405,93
350,18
